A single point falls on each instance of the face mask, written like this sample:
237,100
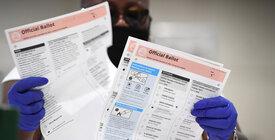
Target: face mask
120,36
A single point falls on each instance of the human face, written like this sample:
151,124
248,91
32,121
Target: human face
129,18
126,13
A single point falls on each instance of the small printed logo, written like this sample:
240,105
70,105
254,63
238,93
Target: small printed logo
212,73
142,52
15,36
93,15
132,46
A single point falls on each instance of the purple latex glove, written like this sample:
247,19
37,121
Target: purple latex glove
217,116
29,102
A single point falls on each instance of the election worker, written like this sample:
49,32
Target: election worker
217,116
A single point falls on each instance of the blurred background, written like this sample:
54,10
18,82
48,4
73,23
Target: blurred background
239,34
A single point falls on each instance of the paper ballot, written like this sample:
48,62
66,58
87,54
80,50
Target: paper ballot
154,91
69,50
151,97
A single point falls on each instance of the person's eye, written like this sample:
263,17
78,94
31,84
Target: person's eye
134,15
134,12
113,12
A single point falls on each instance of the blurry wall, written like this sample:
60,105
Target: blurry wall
245,39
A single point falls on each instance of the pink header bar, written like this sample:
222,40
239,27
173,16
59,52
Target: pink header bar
57,25
185,64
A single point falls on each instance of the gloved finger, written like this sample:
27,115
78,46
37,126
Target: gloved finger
29,97
216,123
29,83
29,126
31,108
31,122
31,118
211,102
218,112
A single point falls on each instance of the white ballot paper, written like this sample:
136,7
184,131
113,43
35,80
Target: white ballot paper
70,50
154,91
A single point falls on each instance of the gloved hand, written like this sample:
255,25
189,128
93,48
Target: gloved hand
217,116
29,102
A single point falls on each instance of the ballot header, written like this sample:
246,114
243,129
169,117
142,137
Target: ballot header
182,63
56,24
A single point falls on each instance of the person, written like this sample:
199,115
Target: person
217,116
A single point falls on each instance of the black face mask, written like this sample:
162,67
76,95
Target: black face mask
120,36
